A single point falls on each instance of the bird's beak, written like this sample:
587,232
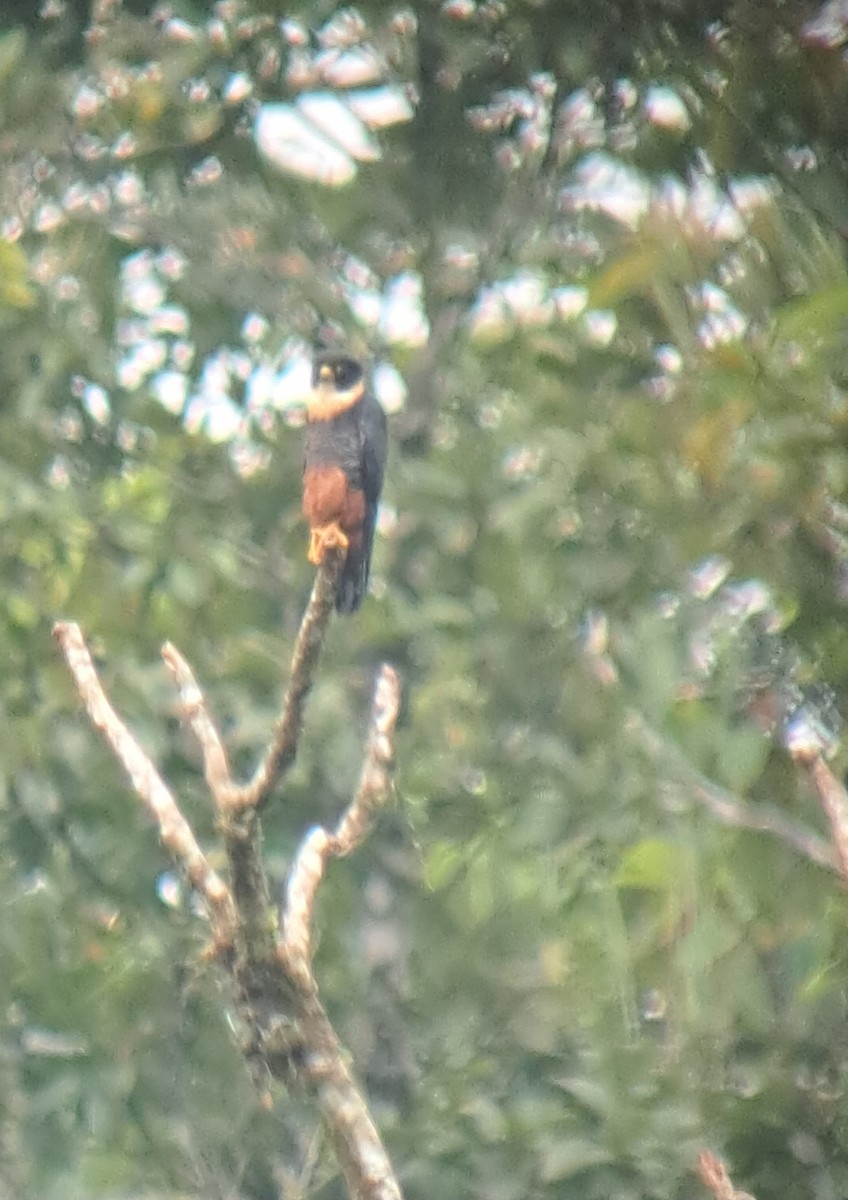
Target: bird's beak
325,373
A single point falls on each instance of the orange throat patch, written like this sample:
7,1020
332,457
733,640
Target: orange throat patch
326,402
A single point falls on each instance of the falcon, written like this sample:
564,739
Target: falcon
343,470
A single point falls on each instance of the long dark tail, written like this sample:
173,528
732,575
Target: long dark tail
354,580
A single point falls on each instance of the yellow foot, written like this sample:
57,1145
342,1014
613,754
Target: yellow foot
315,553
334,537
324,538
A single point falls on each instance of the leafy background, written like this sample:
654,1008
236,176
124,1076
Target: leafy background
603,247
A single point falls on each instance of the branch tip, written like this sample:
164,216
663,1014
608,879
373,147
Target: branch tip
320,845
216,768
176,833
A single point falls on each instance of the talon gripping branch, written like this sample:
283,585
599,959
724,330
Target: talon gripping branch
343,470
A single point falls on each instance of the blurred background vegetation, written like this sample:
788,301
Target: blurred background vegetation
597,255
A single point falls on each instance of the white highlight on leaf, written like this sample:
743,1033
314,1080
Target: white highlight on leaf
665,109
381,107
322,136
389,387
289,143
332,117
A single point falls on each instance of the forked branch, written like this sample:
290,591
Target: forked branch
176,833
282,748
268,955
319,845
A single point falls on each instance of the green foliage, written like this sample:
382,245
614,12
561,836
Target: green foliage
612,567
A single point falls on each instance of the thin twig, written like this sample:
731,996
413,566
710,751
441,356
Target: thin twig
375,780
281,752
216,768
320,845
714,1174
174,830
833,798
239,827
726,807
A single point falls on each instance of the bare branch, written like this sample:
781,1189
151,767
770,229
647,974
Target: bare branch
240,827
319,846
174,830
731,811
375,780
283,747
290,1034
216,768
726,807
833,798
714,1174
362,1156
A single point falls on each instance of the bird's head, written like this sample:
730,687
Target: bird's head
338,381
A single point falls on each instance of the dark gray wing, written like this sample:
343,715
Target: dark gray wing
373,435
373,442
